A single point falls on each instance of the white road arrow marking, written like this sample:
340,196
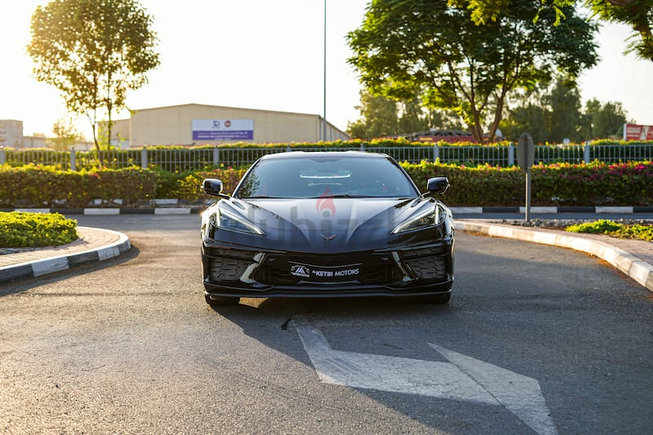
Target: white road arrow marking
463,378
520,394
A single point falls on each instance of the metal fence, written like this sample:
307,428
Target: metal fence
193,159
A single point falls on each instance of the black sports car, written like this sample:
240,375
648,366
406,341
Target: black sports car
327,224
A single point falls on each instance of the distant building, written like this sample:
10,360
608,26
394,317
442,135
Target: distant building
34,142
196,124
11,136
11,133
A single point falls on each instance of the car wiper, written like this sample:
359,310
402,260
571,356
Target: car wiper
341,195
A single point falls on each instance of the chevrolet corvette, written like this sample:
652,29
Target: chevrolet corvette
327,224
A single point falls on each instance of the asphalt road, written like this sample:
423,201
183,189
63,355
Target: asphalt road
536,339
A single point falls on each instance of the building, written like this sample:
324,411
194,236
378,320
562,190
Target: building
11,136
196,124
11,133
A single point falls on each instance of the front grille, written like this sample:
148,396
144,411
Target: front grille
230,253
228,264
428,267
227,269
423,252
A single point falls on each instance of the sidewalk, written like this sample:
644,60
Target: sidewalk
94,244
632,257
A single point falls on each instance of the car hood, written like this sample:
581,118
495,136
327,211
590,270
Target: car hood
324,224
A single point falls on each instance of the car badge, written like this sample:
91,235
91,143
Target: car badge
328,238
299,270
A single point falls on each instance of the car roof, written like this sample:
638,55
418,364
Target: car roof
314,154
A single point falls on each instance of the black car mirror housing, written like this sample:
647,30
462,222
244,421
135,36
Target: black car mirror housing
213,187
437,185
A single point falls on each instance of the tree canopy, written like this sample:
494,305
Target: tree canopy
638,14
93,51
553,112
381,116
604,120
378,117
432,47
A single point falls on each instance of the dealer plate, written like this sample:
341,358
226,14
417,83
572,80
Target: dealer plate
307,272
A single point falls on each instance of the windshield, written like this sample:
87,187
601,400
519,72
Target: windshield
315,177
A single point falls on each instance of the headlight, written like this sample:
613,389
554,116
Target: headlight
429,217
226,220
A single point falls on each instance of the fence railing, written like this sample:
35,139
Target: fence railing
193,159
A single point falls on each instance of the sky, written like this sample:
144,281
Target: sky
260,54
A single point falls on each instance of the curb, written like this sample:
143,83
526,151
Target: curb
634,267
33,269
110,211
553,210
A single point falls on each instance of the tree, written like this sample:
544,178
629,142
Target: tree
93,51
638,14
412,117
565,112
378,117
551,113
65,134
527,114
407,45
382,116
604,120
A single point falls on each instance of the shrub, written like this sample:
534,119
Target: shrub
556,184
19,230
602,226
43,186
560,184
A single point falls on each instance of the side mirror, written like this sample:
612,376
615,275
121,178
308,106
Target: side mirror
213,187
437,185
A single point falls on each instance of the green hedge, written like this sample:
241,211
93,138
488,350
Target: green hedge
33,186
594,184
19,230
188,185
553,185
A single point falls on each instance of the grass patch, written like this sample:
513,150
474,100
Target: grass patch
611,228
32,230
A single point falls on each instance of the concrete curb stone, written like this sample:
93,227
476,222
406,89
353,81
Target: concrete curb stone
94,245
633,266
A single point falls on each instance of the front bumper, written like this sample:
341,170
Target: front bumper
407,271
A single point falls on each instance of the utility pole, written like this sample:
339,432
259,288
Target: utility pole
324,120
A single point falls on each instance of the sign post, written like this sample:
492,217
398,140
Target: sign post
525,160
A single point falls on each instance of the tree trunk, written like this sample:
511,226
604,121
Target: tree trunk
498,116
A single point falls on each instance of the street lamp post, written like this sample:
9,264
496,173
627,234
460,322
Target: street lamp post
324,97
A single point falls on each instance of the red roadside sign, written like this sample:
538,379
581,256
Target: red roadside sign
638,132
